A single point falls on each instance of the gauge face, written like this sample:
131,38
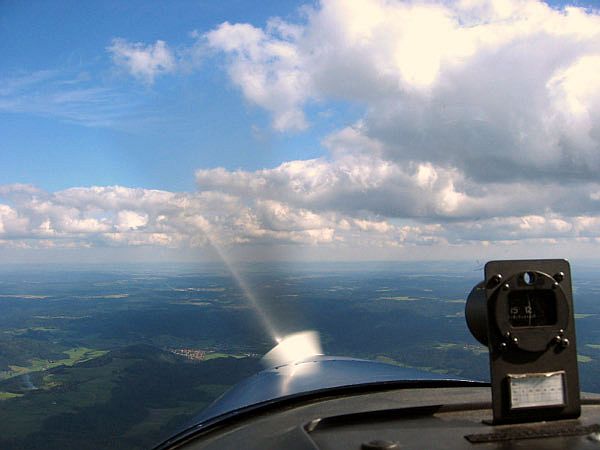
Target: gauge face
532,308
537,390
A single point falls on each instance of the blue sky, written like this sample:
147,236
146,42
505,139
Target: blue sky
330,130
159,133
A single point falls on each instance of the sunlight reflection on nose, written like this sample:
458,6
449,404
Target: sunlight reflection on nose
301,370
292,348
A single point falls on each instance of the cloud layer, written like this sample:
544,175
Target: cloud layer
480,124
124,217
119,216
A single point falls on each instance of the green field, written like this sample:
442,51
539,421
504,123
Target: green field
133,393
74,355
216,355
7,395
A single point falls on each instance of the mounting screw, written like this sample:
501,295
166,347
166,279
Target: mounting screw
515,341
557,339
506,286
380,444
503,346
564,342
559,276
554,285
496,279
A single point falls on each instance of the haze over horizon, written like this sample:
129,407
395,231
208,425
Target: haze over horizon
333,130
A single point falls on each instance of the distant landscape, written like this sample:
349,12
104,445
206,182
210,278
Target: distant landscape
102,357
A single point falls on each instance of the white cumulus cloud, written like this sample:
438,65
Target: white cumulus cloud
267,65
503,89
144,62
482,117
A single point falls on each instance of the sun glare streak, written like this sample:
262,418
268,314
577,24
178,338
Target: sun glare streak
248,294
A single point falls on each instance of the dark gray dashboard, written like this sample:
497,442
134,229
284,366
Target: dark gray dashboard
413,418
